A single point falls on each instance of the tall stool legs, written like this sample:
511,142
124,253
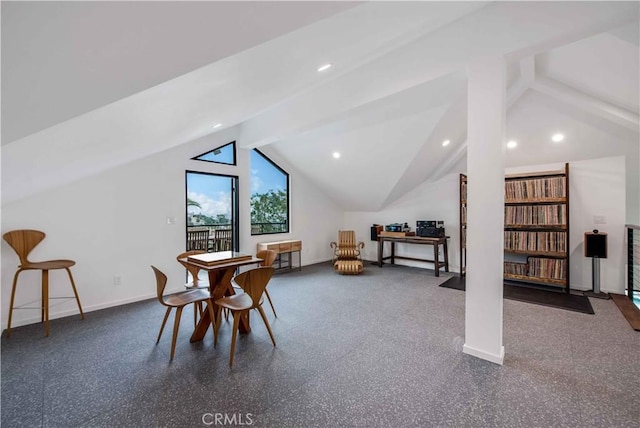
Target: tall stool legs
44,293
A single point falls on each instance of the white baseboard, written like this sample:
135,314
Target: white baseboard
97,307
85,309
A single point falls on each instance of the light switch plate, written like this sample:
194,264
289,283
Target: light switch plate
599,219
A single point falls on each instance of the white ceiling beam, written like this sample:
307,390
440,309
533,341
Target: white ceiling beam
524,81
515,92
629,33
445,167
587,103
451,126
513,29
228,91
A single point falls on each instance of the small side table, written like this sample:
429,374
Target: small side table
284,247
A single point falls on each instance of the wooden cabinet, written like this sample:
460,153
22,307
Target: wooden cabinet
285,249
536,230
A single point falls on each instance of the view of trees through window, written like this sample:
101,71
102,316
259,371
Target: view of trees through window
269,196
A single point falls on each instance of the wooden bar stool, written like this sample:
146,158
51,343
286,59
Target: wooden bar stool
22,242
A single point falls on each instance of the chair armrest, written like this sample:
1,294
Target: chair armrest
360,244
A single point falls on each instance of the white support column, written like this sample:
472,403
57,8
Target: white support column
485,209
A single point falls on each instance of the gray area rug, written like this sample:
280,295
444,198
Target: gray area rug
522,293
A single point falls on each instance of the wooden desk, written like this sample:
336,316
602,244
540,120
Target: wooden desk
220,276
435,242
281,247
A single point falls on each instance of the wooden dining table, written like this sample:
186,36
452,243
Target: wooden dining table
220,276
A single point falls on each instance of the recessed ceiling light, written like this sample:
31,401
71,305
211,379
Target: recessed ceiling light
512,144
557,138
445,143
217,125
336,155
324,67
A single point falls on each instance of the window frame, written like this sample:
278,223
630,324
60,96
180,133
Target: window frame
235,155
235,202
288,191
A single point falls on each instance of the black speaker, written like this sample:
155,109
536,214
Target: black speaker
375,229
595,244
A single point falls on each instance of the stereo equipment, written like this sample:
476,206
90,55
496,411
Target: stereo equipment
430,232
595,244
395,227
430,228
429,223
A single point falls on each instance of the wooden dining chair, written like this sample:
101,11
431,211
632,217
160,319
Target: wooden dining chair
198,238
222,239
268,257
253,282
179,301
194,271
23,242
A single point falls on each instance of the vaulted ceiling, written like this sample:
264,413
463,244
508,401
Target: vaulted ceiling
90,86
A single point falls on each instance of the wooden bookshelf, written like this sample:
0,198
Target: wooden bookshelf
550,254
536,280
536,201
536,227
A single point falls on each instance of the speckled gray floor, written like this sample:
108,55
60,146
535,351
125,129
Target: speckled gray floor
382,349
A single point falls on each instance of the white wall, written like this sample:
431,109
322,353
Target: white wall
632,166
429,201
597,187
115,223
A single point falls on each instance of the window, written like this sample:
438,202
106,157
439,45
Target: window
224,154
211,206
269,196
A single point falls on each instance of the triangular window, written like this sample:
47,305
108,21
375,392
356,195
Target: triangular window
224,154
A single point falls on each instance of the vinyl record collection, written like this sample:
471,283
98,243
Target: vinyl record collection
547,268
546,215
538,189
554,242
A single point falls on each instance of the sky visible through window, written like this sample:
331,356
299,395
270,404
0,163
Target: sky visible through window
265,176
212,192
223,154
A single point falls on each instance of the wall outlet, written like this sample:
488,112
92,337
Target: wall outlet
117,280
171,220
599,219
